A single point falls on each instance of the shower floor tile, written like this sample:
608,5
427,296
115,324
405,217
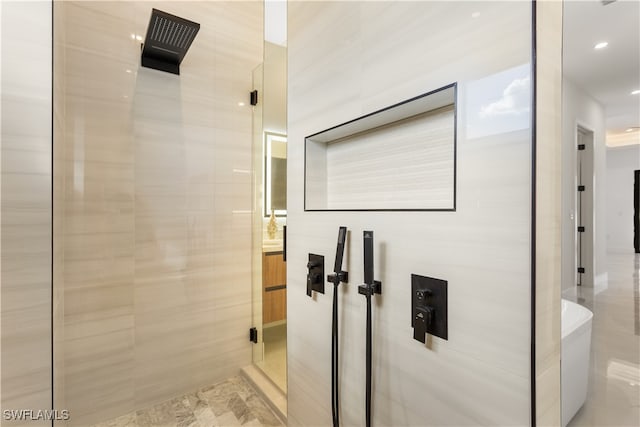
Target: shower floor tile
232,402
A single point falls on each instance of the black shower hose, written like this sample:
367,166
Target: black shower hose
334,359
368,393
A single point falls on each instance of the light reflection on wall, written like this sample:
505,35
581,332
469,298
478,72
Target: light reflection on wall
499,103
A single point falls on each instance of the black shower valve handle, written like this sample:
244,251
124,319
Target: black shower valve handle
309,286
422,295
315,274
313,279
422,320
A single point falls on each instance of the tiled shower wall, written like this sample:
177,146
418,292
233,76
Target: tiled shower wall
157,206
347,60
548,211
25,279
59,127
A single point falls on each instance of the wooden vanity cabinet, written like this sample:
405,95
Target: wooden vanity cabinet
274,287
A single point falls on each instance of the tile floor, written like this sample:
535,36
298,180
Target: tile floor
613,398
274,363
230,403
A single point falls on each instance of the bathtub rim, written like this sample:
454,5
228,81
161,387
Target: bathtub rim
579,316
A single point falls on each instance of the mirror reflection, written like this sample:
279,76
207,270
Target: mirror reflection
275,174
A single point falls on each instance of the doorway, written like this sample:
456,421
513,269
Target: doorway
636,211
584,208
270,215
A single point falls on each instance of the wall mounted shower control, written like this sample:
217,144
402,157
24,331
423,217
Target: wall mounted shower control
428,307
315,274
370,286
338,275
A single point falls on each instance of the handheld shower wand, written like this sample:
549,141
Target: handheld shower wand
335,278
369,288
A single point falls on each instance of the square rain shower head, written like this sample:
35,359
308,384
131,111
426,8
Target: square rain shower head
167,41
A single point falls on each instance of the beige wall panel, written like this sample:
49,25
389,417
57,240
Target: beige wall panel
25,209
548,210
347,59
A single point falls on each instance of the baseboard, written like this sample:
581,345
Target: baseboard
570,293
601,283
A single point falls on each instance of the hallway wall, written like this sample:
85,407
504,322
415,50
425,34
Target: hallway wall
25,208
621,164
349,59
157,206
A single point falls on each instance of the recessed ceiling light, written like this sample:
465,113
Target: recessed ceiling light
629,130
240,104
128,71
133,36
139,38
601,45
635,92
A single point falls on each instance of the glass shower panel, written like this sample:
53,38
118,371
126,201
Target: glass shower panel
156,202
270,214
257,218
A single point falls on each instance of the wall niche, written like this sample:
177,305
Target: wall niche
400,158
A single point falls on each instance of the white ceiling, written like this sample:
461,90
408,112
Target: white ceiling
610,74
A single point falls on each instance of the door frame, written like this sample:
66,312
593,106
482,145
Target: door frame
636,210
588,215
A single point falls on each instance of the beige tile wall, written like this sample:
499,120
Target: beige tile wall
348,59
548,207
98,211
59,131
158,195
25,200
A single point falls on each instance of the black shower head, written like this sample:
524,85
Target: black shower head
167,41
